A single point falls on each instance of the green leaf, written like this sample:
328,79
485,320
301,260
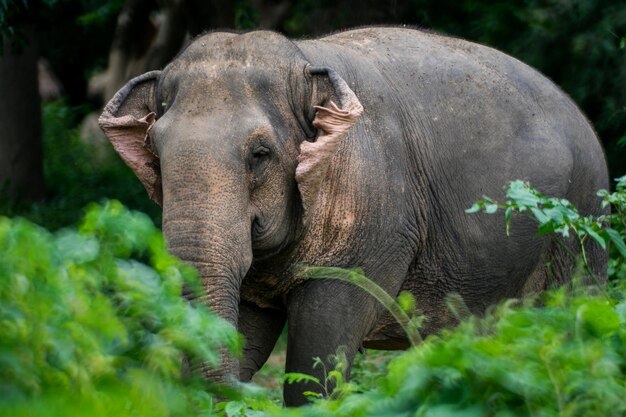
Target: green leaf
296,377
76,247
595,236
312,395
335,376
86,314
521,194
235,409
539,215
491,208
550,227
617,240
600,316
474,209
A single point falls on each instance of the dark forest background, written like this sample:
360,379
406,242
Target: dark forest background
63,59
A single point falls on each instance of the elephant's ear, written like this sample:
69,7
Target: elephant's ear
333,123
126,120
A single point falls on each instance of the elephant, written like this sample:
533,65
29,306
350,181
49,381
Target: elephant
361,149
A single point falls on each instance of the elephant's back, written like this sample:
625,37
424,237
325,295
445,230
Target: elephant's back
422,57
466,106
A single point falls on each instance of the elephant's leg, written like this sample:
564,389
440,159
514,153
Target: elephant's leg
261,328
323,315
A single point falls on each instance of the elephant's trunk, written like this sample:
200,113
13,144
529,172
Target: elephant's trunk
221,264
217,241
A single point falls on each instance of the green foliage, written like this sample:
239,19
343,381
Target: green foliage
13,15
93,322
559,216
333,385
369,367
566,358
77,173
617,228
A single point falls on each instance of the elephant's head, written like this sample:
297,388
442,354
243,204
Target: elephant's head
224,140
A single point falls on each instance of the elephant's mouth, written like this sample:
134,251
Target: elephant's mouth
261,238
257,231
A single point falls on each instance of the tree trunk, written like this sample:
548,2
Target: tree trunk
21,156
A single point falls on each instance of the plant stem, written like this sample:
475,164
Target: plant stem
361,281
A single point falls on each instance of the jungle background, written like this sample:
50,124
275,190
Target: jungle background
61,60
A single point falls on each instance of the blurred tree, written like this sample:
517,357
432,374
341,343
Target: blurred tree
21,162
149,33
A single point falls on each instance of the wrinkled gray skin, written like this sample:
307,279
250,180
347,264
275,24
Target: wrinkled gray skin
445,121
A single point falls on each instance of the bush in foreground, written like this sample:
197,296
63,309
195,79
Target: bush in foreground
92,321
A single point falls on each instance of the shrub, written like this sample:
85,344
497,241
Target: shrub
93,322
562,354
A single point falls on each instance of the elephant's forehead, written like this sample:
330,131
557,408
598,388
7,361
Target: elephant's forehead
248,63
234,99
223,84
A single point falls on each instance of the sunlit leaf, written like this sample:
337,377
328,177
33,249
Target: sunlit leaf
296,377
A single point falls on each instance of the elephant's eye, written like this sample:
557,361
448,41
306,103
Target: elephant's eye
259,161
